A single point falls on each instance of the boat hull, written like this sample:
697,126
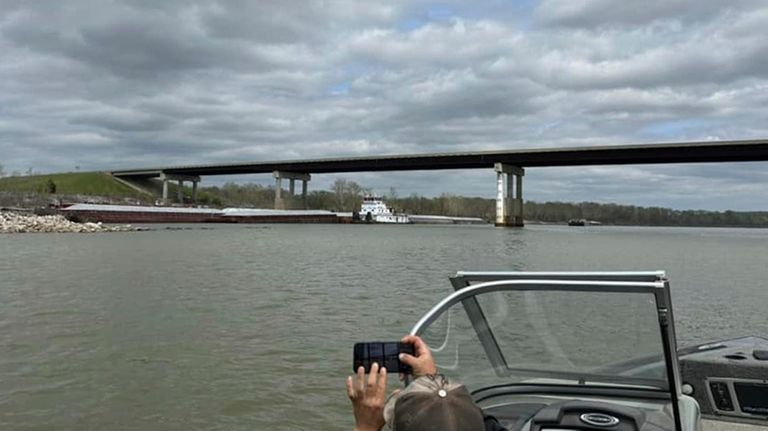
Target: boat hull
128,214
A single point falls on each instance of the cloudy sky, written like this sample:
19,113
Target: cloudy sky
108,84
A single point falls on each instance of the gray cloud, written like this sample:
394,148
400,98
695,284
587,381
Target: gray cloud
594,13
126,42
140,83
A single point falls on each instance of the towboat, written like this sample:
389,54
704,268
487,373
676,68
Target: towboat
577,222
567,351
374,210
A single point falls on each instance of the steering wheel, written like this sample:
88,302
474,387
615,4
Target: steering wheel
587,415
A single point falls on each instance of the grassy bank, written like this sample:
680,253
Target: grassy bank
72,183
38,190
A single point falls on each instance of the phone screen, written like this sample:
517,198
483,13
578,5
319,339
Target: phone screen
383,353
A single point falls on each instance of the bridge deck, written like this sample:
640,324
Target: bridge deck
686,152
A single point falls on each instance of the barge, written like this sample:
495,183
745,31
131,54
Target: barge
123,214
149,214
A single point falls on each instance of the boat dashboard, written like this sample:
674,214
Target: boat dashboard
522,409
729,379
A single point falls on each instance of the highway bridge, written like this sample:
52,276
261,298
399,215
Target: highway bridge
509,164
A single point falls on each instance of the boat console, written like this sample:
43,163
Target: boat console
585,415
729,378
577,351
581,415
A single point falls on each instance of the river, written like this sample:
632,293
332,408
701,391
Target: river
251,327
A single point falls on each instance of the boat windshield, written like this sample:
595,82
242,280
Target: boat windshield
594,335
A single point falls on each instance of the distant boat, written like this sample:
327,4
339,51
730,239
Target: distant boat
583,222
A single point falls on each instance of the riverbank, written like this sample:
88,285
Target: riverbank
17,222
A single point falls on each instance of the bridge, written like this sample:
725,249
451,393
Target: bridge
509,165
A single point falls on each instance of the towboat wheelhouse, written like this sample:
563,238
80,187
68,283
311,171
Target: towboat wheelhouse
374,210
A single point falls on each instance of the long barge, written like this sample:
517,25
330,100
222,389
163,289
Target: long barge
150,214
157,214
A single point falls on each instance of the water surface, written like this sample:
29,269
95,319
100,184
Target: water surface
238,327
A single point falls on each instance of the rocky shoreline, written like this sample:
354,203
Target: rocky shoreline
15,222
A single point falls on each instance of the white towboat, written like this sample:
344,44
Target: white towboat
374,210
575,351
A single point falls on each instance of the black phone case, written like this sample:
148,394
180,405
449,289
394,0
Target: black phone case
383,353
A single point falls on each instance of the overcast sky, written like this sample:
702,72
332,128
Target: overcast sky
105,84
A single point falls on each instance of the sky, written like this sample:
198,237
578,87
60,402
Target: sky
110,84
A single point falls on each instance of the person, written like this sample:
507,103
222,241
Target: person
430,402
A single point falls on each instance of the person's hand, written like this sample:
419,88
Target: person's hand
368,398
422,363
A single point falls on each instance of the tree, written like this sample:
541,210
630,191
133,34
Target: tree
50,186
339,188
348,194
392,195
2,171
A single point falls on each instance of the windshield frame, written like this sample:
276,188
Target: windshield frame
650,282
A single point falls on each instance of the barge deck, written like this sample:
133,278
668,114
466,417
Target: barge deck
148,214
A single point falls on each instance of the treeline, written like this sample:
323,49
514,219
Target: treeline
445,204
347,196
562,212
555,212
343,196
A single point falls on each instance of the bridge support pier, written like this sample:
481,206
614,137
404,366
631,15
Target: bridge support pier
509,195
165,191
165,178
288,202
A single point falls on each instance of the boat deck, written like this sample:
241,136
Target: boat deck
726,426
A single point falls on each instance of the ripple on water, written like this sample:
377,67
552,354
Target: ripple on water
241,407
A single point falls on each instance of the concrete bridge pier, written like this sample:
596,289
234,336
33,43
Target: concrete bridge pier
165,178
509,195
288,202
165,190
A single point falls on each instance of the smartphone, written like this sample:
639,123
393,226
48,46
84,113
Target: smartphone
383,353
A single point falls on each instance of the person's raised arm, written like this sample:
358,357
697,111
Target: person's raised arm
368,398
423,364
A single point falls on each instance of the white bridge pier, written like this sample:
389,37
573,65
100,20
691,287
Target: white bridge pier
509,195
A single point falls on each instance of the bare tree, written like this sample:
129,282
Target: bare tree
348,194
339,188
392,195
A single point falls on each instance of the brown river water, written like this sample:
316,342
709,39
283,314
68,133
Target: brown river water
251,327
